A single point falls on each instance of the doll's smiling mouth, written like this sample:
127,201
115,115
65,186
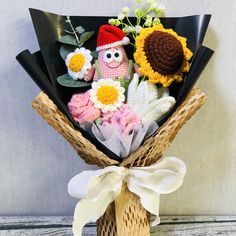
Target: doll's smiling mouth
113,67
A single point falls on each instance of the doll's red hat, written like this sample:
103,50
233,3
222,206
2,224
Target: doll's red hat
110,36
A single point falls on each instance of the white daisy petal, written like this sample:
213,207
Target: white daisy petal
107,102
86,54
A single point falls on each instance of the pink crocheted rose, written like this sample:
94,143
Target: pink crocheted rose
82,109
124,117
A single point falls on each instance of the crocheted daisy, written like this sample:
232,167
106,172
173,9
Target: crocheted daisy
78,62
107,95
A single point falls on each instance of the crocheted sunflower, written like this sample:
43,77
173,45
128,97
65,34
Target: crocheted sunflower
162,55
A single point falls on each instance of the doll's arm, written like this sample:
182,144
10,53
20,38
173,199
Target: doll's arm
90,73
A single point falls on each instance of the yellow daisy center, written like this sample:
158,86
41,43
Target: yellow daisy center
76,62
107,94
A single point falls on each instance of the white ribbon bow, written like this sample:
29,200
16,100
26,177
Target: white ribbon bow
98,188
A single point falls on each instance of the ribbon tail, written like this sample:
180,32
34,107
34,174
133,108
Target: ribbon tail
89,210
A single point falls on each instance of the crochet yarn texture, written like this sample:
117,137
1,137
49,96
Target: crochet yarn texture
164,52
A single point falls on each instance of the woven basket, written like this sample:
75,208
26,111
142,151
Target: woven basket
125,216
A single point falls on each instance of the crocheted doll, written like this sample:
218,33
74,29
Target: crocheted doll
112,63
112,60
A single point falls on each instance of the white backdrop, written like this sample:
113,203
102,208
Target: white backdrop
36,163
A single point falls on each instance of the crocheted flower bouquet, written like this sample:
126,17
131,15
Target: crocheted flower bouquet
119,90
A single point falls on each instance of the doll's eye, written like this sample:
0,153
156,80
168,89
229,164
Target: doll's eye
118,56
108,56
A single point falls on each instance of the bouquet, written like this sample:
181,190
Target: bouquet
118,89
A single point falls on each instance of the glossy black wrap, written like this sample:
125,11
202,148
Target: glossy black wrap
46,65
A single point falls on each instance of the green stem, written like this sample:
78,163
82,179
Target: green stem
144,78
129,21
132,44
76,36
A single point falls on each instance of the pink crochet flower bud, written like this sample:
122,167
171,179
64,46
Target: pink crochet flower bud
82,109
124,117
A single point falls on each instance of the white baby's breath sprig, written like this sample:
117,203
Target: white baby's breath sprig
121,16
147,13
148,23
125,11
161,7
112,21
117,22
138,12
150,2
156,21
138,28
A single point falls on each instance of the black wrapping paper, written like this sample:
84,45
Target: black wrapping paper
34,66
50,27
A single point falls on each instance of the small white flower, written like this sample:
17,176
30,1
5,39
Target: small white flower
161,7
107,95
117,22
156,21
148,23
137,28
112,21
129,29
138,12
125,30
121,16
78,62
125,11
148,17
150,2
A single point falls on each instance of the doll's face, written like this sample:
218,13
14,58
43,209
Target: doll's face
112,57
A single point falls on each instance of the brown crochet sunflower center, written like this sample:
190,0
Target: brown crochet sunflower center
164,52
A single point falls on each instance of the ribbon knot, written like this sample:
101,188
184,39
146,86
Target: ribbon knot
98,188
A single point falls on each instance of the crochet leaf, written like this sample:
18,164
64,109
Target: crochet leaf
157,109
85,36
132,90
65,50
66,81
141,97
68,39
152,92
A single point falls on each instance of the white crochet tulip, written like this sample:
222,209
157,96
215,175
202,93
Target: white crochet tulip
132,90
152,92
157,109
147,101
163,92
141,97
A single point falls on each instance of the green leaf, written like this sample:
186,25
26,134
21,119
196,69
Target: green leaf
65,50
68,39
85,36
66,81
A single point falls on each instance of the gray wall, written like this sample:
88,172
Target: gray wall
36,163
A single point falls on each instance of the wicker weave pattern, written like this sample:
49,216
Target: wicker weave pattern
125,216
106,225
151,151
48,110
